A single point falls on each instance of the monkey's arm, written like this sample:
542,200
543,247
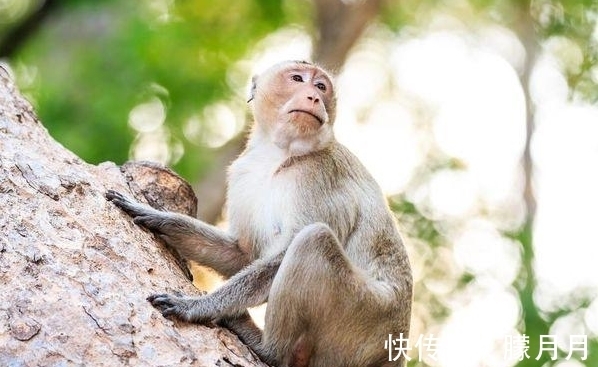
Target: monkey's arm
248,288
194,239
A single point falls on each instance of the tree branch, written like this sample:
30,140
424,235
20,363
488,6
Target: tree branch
72,263
340,24
23,31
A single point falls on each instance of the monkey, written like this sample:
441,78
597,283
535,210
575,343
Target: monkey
310,233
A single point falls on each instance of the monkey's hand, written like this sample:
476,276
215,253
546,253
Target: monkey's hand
187,309
143,215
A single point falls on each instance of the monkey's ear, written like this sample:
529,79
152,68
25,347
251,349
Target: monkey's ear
252,89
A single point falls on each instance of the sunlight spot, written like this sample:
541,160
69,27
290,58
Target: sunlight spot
192,129
385,144
364,79
567,325
219,124
290,43
503,42
566,152
483,121
591,317
148,116
483,251
478,109
452,194
547,83
151,146
11,10
569,363
160,10
429,67
474,332
567,51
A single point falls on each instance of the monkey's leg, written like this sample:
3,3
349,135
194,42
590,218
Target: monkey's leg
248,288
323,310
194,239
214,306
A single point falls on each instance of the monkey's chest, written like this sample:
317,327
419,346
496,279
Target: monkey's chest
262,213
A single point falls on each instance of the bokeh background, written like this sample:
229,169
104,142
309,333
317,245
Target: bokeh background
477,117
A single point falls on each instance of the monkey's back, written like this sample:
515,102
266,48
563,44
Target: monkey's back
358,213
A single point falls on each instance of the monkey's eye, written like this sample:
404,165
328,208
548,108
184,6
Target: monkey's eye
297,78
321,86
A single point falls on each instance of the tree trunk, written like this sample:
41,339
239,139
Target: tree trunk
75,270
339,25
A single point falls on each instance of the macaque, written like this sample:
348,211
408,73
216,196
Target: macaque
310,233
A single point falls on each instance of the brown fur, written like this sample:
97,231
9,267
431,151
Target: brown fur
310,232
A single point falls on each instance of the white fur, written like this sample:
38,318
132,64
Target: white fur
260,201
296,145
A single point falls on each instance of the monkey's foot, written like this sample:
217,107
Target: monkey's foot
182,308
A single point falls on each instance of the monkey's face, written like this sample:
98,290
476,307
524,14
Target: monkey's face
294,104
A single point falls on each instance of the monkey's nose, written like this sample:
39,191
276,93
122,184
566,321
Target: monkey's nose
314,99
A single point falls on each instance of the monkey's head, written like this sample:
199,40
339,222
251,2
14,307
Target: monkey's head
294,106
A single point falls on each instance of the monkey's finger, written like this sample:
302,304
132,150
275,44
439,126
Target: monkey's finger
118,198
152,297
115,197
111,195
121,201
163,301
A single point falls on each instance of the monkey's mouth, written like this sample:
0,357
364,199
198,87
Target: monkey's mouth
318,118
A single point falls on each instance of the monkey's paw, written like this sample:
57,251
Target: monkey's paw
182,308
130,206
143,215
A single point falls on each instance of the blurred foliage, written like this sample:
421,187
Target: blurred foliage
568,29
94,61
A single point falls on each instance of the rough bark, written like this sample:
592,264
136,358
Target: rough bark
75,271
